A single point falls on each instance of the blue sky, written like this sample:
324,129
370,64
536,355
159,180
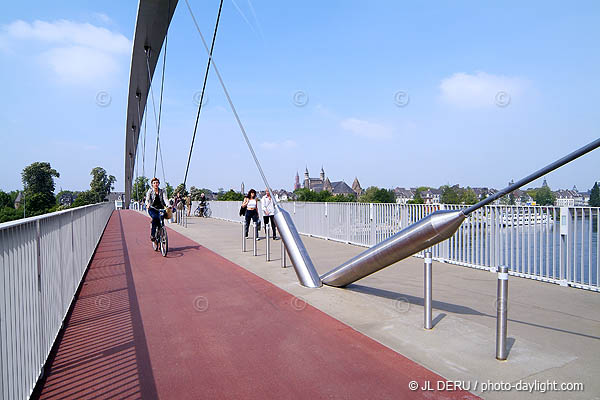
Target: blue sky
395,93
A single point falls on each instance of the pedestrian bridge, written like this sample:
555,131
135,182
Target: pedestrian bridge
211,321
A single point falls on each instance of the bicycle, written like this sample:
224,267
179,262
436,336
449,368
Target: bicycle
161,240
203,211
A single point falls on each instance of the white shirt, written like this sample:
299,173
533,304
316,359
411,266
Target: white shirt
268,207
251,204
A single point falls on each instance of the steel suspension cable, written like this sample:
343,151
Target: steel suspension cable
239,122
155,114
162,85
212,46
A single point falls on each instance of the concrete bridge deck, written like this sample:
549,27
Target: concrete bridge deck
196,325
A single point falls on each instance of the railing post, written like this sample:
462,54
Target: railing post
243,237
501,313
254,238
372,217
427,290
268,243
565,246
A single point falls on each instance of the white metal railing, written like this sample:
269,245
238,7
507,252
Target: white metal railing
43,261
553,244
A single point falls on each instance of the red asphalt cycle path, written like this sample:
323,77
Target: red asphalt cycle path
194,325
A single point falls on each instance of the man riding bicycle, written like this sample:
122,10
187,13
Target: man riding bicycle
156,199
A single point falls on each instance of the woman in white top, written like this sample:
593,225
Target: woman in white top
251,204
268,209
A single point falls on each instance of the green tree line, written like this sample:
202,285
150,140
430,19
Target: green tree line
38,196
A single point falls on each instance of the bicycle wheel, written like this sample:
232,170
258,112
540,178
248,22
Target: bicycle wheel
164,243
207,212
155,242
197,213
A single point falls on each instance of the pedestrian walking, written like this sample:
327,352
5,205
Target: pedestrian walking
268,208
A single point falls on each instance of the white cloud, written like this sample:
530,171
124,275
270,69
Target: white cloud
366,129
78,53
480,89
286,144
103,18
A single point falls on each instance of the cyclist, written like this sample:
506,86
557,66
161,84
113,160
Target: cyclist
156,199
202,205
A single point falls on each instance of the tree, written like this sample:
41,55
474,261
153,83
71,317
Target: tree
101,183
5,200
169,189
449,195
231,195
38,180
195,193
595,196
468,196
180,189
374,194
508,200
343,198
417,199
10,214
85,198
140,188
305,194
544,196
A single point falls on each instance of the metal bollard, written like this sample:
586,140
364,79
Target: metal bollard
254,239
243,238
283,261
427,289
501,313
268,243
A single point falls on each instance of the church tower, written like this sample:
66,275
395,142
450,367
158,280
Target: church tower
322,175
297,182
356,187
306,179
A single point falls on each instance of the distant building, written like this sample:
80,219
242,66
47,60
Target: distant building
569,198
112,196
403,195
336,188
431,196
297,181
66,199
18,200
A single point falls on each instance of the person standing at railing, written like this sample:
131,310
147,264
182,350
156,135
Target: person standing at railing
156,199
251,204
188,204
268,209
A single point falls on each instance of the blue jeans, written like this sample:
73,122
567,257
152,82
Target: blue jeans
251,215
155,215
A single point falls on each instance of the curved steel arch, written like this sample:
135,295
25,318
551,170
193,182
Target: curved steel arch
153,20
